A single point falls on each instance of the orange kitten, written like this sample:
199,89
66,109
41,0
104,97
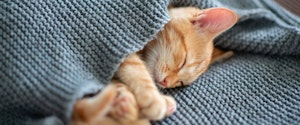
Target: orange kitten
180,54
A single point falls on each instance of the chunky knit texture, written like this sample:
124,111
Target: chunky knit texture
54,52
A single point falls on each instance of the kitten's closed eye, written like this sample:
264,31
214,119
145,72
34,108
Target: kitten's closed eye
181,83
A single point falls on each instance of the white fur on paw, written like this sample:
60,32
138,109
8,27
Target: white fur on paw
157,109
154,105
171,105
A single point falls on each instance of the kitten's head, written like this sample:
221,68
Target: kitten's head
182,51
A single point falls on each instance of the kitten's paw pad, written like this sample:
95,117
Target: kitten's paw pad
120,106
124,105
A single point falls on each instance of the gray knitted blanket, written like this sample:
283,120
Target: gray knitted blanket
53,52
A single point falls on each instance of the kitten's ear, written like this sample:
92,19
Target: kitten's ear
215,20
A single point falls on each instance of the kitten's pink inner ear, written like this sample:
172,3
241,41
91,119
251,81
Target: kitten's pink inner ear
215,20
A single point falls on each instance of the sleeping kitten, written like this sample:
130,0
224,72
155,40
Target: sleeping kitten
181,52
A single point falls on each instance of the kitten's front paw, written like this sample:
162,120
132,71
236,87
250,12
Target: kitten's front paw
154,105
171,105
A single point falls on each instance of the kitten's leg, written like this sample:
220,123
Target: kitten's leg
219,55
153,104
89,109
115,105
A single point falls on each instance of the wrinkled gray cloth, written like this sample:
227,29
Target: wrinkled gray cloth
54,52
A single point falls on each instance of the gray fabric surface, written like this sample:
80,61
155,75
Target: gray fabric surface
54,52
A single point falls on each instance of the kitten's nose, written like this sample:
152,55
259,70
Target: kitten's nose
164,82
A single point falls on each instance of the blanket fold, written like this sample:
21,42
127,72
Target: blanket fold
54,52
